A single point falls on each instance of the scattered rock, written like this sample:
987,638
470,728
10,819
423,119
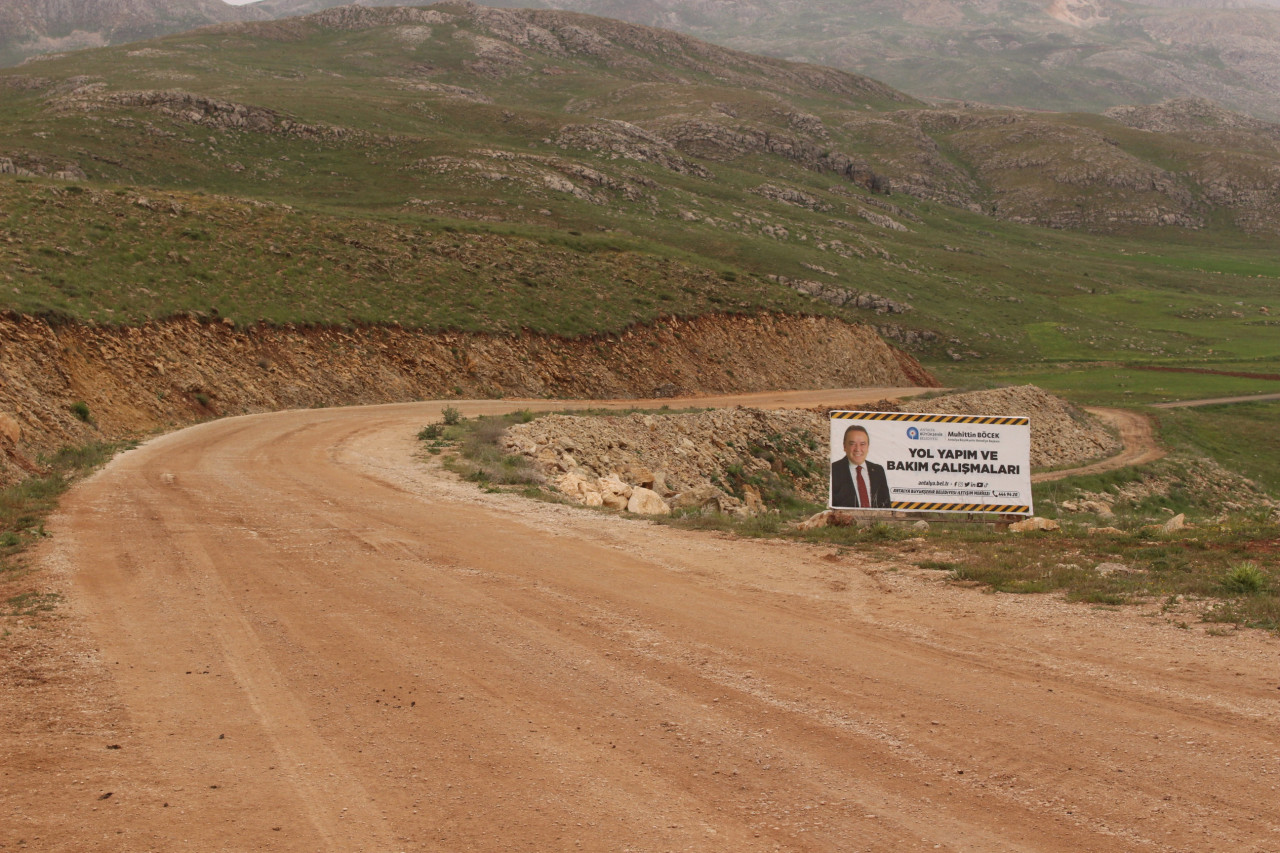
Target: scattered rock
815,521
1104,531
1208,482
574,485
1178,522
835,295
698,497
1035,522
647,502
614,493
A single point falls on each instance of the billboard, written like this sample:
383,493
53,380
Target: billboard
926,462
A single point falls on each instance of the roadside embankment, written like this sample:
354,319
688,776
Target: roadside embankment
69,384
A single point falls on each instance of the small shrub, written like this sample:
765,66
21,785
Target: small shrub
430,432
1245,579
81,410
451,416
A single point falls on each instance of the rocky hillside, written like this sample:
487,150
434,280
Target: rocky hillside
448,107
743,461
69,384
1040,54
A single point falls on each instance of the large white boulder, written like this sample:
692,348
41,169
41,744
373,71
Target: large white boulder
647,502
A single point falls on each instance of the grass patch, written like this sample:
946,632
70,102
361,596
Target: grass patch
1118,384
31,604
24,506
1241,436
1230,566
479,457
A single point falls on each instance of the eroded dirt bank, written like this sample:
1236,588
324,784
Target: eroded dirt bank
135,380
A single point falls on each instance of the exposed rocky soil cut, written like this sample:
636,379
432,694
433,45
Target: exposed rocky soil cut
135,380
705,459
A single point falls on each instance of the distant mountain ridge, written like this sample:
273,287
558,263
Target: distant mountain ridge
34,27
1062,55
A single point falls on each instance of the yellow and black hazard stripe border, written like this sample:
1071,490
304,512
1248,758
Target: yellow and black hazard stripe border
923,506
916,417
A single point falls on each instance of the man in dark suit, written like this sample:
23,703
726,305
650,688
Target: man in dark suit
855,482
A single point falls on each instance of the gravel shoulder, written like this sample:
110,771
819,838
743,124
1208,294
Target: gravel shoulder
284,632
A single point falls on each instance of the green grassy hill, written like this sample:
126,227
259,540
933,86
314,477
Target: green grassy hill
473,168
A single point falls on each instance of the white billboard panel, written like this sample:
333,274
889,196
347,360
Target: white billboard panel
938,463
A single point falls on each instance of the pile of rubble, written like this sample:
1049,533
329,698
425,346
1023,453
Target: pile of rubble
1061,434
681,460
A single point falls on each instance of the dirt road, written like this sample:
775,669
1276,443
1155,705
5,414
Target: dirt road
1138,445
1217,401
285,634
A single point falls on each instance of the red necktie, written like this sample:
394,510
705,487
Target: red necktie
863,498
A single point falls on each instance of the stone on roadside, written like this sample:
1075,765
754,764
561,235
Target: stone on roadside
647,502
827,518
815,521
1035,522
920,525
574,486
1178,522
1104,531
522,445
697,497
613,492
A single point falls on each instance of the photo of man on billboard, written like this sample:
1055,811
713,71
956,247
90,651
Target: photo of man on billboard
855,482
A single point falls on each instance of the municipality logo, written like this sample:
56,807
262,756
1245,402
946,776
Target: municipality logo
913,433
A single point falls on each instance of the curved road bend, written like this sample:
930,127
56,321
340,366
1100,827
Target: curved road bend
303,639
